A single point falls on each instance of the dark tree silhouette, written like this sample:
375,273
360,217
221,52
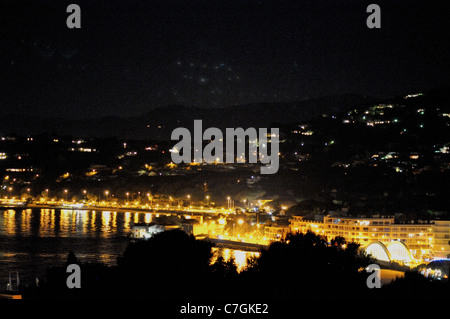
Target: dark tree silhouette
171,263
71,258
306,265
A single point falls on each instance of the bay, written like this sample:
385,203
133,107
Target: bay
32,240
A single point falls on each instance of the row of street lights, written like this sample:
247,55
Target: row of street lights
10,189
230,202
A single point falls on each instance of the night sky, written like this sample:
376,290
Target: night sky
132,56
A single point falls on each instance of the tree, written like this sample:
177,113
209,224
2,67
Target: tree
224,269
71,258
172,262
308,264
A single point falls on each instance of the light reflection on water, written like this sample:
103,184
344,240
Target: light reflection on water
240,256
31,240
65,223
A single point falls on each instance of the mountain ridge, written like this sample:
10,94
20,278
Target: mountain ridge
158,123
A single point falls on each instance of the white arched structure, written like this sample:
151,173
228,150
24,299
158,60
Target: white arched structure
399,252
378,251
395,251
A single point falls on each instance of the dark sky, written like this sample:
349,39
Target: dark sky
131,56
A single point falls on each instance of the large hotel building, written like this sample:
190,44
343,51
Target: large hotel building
409,242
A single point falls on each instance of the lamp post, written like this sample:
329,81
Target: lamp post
10,189
65,192
150,198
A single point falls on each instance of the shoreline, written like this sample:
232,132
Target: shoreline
106,208
220,243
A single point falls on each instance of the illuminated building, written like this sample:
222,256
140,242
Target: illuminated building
276,232
441,239
425,241
148,230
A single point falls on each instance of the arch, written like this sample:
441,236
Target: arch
400,252
379,251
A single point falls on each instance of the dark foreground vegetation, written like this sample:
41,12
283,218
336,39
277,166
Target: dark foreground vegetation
174,265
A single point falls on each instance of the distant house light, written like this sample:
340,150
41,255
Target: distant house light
19,170
413,95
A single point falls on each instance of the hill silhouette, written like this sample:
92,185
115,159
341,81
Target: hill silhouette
158,123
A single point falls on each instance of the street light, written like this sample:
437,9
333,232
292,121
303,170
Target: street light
65,192
10,189
189,200
128,194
